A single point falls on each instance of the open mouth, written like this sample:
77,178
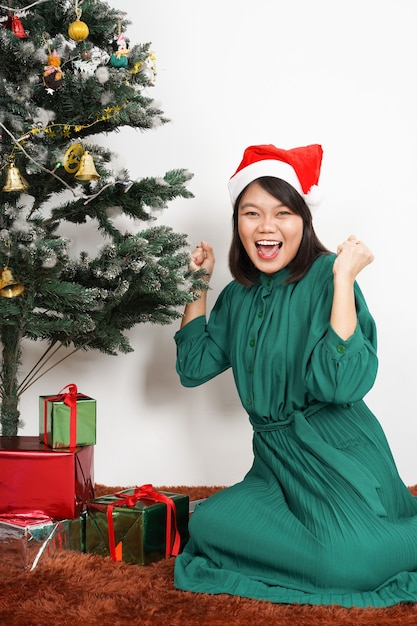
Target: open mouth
268,249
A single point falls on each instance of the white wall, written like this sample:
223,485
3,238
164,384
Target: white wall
290,72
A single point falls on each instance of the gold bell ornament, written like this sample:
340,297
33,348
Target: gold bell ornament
87,169
10,287
15,180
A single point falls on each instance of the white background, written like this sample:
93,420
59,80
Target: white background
231,74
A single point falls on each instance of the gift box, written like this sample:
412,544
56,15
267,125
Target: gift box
68,419
34,477
71,534
25,539
138,525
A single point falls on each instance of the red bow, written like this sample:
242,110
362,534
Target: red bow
70,399
146,492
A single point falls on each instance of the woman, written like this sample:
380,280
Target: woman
322,517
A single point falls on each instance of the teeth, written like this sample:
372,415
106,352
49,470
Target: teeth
266,242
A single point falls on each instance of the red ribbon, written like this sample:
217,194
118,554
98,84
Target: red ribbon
146,492
70,399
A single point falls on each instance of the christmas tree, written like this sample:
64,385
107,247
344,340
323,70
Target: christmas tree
69,73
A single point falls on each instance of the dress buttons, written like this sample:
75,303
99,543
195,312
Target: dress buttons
250,369
249,401
340,348
260,314
252,343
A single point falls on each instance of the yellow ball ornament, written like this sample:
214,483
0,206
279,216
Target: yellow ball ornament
78,31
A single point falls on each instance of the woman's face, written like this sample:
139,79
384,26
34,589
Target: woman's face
269,231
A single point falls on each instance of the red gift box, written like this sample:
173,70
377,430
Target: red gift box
34,477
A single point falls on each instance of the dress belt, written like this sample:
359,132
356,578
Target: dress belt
311,410
332,459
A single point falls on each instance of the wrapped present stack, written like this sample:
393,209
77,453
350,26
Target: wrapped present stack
47,498
46,480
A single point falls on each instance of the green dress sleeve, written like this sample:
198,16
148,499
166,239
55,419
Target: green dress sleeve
202,351
340,371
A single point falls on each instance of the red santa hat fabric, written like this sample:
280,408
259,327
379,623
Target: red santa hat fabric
300,167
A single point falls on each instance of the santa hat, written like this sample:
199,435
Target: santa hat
300,167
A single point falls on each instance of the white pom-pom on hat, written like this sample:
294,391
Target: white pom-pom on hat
314,197
300,167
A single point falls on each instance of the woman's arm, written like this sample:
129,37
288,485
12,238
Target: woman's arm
340,360
353,256
201,258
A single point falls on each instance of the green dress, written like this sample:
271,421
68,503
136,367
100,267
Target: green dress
322,516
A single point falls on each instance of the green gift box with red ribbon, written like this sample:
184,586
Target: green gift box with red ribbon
138,525
68,419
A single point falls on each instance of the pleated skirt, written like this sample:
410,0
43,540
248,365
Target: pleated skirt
322,517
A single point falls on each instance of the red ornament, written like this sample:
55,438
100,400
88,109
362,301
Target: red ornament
17,28
14,24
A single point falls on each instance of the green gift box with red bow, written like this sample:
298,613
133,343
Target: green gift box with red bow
138,526
68,419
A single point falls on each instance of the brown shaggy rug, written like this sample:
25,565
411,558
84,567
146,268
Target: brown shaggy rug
75,589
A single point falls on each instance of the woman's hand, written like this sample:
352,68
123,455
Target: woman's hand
202,257
352,256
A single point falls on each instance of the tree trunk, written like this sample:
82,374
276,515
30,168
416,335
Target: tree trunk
9,415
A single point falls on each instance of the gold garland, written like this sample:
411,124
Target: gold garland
52,129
